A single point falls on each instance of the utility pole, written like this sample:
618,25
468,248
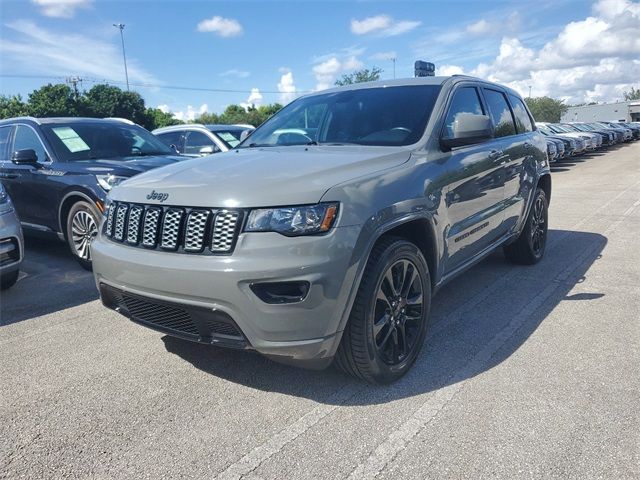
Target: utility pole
529,91
73,81
393,59
120,26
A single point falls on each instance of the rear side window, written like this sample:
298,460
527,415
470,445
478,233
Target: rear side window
4,142
465,100
172,138
523,122
196,141
500,113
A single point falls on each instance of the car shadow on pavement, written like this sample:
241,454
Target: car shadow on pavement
478,321
50,280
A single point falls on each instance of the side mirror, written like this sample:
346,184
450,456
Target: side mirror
206,150
469,128
27,156
245,134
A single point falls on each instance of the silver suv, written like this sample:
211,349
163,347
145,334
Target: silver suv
194,140
324,235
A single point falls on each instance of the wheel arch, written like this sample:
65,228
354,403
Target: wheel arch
67,201
544,182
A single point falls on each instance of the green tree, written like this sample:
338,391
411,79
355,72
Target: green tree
12,106
103,101
53,101
359,76
546,109
234,114
633,94
208,118
159,119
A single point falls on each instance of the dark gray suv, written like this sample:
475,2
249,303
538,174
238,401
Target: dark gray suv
324,235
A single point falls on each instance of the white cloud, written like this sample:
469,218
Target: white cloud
481,27
164,108
224,27
594,59
286,87
40,51
383,56
447,70
254,99
61,8
352,63
326,72
187,115
235,73
382,25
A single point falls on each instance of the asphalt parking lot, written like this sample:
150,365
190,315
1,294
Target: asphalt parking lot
527,372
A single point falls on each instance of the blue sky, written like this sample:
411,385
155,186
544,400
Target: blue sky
270,51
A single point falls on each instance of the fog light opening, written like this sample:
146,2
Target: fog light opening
281,292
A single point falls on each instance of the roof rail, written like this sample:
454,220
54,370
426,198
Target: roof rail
123,120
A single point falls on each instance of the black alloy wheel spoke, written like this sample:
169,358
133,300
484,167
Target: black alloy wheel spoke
398,312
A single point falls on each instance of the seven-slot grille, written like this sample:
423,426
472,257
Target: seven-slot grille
181,229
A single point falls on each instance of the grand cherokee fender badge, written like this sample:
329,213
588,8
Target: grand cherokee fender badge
161,197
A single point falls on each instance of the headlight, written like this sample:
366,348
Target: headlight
293,221
5,201
109,181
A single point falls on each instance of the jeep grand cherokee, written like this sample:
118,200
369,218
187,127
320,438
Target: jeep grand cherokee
324,235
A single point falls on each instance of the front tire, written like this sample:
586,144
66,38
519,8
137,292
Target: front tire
82,227
388,321
529,248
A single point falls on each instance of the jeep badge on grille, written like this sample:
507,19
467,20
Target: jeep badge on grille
161,197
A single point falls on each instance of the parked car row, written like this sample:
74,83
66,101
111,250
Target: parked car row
570,139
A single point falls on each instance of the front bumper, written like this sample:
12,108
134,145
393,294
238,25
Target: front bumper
11,242
305,332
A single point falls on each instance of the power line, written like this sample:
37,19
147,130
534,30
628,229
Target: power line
146,85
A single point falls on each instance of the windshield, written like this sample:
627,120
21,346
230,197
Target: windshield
75,141
231,137
558,129
390,116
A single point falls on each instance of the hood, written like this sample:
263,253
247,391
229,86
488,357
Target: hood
128,166
255,177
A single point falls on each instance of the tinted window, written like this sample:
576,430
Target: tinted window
500,113
465,100
4,141
196,141
75,141
523,122
173,138
26,138
367,116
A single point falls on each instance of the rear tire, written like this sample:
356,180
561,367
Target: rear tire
529,248
388,320
8,280
82,227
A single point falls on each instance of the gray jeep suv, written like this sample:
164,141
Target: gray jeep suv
324,235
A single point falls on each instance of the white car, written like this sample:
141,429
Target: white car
195,140
590,140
